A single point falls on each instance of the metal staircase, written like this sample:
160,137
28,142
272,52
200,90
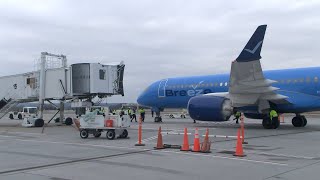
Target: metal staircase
11,103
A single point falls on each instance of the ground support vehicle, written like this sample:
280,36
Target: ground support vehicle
94,123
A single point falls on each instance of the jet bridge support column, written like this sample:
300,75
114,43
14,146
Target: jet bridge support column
61,112
42,84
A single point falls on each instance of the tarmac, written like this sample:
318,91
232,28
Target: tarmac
60,154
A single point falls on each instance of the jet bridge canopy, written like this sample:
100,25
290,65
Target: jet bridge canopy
97,79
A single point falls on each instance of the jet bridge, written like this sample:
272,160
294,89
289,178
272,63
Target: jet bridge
52,79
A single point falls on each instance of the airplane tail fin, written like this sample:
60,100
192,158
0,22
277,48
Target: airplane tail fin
252,49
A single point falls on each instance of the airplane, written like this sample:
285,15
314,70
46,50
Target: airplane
246,89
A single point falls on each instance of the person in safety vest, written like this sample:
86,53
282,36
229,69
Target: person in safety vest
142,114
237,116
273,114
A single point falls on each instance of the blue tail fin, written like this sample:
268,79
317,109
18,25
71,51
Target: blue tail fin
252,50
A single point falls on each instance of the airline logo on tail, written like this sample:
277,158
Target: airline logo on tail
254,49
251,51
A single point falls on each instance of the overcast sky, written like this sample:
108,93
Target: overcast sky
157,39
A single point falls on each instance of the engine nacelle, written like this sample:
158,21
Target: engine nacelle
210,108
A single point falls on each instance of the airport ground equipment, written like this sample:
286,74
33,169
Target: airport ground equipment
176,116
53,80
26,112
32,122
95,122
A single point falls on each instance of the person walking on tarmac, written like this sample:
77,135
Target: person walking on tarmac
142,114
133,115
237,116
130,113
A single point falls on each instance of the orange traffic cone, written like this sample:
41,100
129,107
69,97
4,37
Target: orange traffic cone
206,145
239,150
140,136
159,142
185,145
196,142
242,131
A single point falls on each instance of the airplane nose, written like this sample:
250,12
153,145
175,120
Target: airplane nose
141,98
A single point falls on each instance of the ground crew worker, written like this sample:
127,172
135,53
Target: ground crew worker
152,113
133,115
130,113
142,114
121,113
273,114
237,116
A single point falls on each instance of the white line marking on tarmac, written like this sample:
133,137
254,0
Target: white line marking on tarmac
224,157
272,154
162,151
77,144
16,132
222,136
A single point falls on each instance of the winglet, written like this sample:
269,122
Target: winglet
252,50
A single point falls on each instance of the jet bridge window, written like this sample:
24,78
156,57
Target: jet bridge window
102,74
31,82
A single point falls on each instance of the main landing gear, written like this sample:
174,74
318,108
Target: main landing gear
267,123
299,121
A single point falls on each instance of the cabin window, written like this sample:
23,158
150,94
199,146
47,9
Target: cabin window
102,74
315,79
215,84
225,84
288,81
307,79
211,84
220,84
301,80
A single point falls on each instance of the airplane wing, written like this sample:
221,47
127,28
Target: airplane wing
247,83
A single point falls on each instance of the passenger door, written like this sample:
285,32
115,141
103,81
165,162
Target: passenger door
162,88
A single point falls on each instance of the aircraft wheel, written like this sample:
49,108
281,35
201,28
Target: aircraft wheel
111,134
157,119
297,121
275,123
11,116
304,121
266,123
84,134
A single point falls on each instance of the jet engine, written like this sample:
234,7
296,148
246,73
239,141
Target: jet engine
210,108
